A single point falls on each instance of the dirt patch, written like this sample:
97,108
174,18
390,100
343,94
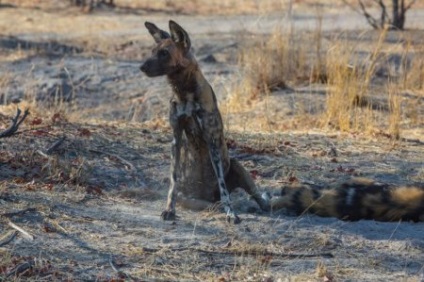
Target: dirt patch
92,210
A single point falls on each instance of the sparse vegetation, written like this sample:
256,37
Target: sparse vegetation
311,103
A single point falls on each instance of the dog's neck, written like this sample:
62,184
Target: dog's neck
187,81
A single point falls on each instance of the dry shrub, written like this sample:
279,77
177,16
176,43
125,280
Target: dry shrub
347,106
343,88
414,76
268,65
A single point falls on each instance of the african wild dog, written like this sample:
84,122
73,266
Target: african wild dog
200,168
359,198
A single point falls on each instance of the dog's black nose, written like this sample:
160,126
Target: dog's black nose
143,68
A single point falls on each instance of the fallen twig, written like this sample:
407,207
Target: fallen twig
243,252
21,268
8,237
16,122
121,273
24,233
55,145
21,212
122,160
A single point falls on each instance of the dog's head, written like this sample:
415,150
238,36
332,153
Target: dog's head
171,53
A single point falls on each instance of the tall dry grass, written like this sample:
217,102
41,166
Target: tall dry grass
279,60
347,106
359,97
269,64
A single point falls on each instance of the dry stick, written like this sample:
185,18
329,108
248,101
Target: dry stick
21,212
8,237
55,145
124,161
370,19
384,14
21,268
16,122
56,226
24,233
121,273
241,253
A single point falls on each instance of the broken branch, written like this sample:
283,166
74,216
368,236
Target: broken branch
370,19
16,122
243,252
55,145
8,237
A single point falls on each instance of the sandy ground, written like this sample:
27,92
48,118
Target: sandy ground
90,210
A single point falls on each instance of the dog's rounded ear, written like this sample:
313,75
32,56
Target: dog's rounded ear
179,36
158,34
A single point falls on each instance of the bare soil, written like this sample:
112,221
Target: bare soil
88,210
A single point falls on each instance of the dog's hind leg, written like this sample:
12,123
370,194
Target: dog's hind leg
219,172
238,177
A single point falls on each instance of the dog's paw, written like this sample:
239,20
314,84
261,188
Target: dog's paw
266,196
265,201
233,219
168,215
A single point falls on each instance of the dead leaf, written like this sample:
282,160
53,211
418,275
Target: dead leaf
57,117
95,190
36,121
254,174
293,179
84,132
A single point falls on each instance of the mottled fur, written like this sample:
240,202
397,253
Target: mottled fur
354,200
200,168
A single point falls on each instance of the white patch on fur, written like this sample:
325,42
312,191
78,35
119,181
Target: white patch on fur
266,196
199,121
350,195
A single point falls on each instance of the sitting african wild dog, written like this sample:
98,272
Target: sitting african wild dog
356,199
200,167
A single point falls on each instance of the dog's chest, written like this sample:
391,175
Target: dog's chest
185,114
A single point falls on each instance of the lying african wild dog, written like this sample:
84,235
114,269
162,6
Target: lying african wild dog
200,167
356,199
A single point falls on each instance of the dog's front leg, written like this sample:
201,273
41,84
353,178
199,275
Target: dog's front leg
169,213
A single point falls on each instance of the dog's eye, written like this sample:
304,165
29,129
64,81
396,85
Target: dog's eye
163,54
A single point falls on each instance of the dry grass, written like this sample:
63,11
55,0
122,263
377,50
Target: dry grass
347,106
353,90
357,98
285,57
395,111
